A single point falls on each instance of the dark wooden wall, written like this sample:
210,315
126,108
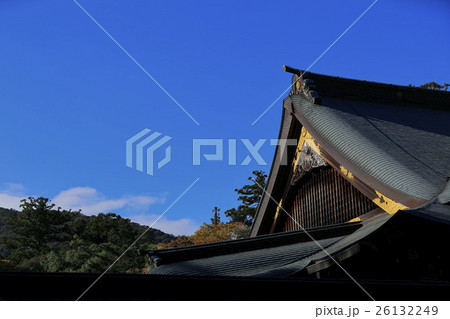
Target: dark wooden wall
324,197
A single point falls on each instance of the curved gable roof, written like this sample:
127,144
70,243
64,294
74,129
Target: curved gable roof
394,139
405,148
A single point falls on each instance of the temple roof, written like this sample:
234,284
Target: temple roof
395,141
290,254
272,255
405,148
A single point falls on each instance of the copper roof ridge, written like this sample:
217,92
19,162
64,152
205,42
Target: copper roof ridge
315,86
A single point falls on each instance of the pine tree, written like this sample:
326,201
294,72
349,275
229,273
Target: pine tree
216,217
250,196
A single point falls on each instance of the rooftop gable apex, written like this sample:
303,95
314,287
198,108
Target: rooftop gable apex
316,86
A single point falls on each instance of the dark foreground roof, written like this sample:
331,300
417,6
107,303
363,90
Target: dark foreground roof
433,211
399,257
264,256
123,287
306,253
275,255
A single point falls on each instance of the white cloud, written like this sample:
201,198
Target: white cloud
184,226
91,201
10,201
11,194
13,188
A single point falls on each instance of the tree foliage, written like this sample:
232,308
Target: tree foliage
209,233
241,218
250,196
41,238
36,231
180,241
434,86
215,220
102,239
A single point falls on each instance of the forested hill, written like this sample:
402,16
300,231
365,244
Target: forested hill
5,232
40,238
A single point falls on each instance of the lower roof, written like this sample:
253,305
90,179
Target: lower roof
274,255
283,255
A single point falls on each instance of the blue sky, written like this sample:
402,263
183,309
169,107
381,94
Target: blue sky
70,97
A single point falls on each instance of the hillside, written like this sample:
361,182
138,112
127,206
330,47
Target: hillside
50,240
5,232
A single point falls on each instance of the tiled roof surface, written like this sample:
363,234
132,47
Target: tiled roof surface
292,252
405,148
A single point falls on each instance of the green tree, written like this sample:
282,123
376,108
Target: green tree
210,233
98,242
37,230
180,241
250,196
45,239
216,217
434,86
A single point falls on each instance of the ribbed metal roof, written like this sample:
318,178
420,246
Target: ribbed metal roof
405,148
274,255
249,263
433,211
